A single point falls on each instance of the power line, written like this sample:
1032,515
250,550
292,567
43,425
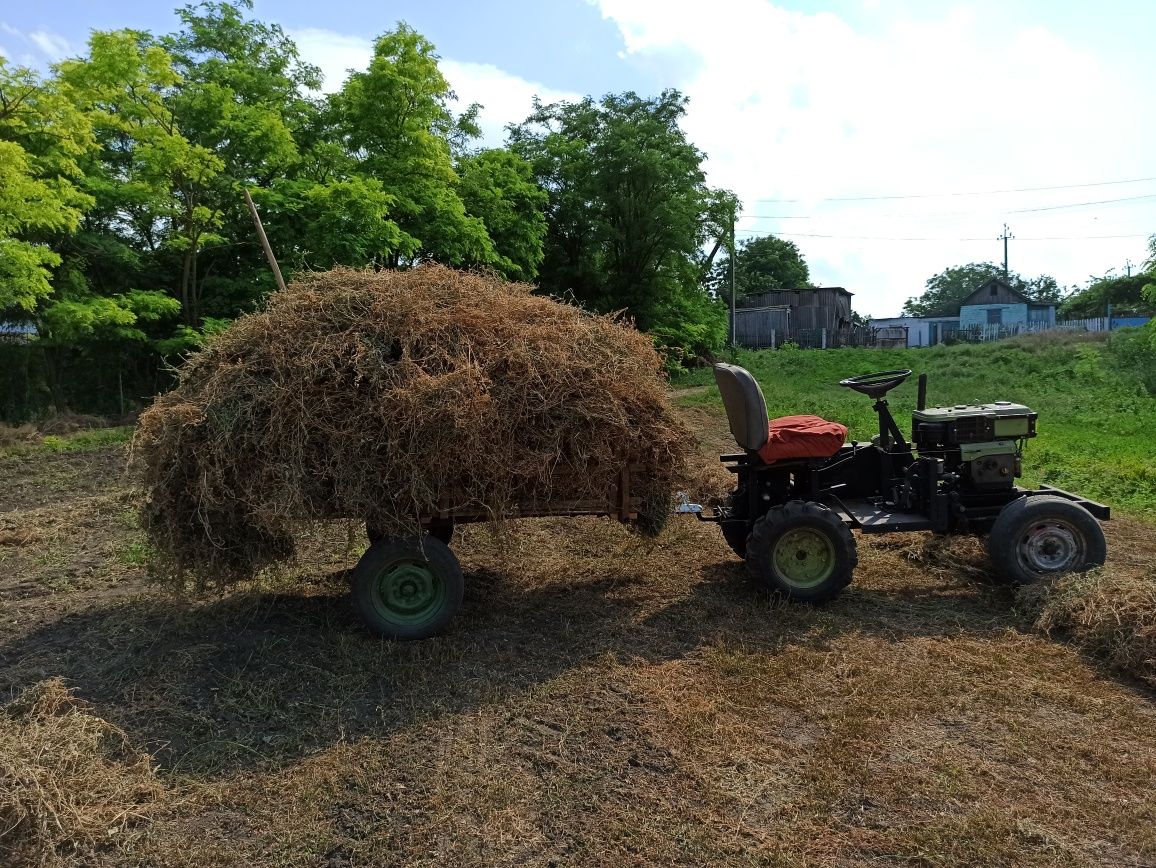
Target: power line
960,213
965,193
1082,204
941,240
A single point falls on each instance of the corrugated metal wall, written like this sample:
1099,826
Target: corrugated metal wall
798,315
756,327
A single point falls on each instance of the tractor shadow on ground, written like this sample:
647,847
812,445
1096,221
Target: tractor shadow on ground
264,679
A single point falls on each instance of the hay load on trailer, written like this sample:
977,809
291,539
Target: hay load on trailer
408,400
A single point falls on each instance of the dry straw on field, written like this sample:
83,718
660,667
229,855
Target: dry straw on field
1109,612
373,395
70,784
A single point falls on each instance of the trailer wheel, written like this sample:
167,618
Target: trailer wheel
803,551
1043,535
442,529
407,588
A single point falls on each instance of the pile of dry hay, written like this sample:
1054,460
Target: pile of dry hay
374,396
1108,612
71,785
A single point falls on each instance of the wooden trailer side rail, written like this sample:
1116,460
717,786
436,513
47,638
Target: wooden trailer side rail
619,503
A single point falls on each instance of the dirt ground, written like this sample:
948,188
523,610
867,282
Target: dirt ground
602,700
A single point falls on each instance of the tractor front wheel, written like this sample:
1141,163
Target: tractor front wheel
407,588
1043,535
803,551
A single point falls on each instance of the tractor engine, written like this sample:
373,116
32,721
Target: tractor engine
980,444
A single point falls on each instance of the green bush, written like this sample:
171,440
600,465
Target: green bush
1133,352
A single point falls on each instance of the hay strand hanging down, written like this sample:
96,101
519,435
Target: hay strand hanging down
374,395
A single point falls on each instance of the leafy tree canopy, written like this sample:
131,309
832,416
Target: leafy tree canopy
43,138
498,188
629,211
762,264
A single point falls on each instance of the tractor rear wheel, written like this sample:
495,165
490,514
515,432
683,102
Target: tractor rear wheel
803,551
1043,535
407,588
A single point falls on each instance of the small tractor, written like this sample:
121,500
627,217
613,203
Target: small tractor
800,489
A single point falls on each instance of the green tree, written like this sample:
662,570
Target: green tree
762,264
1149,290
947,290
43,138
395,123
497,186
629,211
245,96
152,184
1125,294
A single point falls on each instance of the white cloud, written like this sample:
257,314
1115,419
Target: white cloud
51,45
505,98
36,49
335,53
792,105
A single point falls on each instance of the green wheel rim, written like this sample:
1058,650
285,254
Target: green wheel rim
804,557
408,592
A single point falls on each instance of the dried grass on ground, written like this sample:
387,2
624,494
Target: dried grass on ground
375,395
71,785
1110,613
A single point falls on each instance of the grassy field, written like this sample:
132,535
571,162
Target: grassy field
601,700
1096,425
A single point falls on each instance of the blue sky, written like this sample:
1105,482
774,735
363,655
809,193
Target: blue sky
807,102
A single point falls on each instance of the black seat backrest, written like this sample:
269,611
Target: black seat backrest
745,405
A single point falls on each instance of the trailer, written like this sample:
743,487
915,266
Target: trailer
411,587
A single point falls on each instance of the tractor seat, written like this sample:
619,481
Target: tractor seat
780,439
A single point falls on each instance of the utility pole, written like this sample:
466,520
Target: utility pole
734,220
1128,266
1005,237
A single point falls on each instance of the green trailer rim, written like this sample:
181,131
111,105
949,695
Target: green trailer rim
408,592
804,557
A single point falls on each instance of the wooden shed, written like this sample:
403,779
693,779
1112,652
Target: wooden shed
770,318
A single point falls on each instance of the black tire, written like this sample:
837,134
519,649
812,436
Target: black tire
736,536
441,529
735,533
1042,535
803,551
407,588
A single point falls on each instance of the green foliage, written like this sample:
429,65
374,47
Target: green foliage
1134,351
79,441
125,238
762,264
1124,293
42,139
498,187
1095,419
395,119
947,290
629,211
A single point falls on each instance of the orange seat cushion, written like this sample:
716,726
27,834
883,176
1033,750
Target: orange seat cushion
802,437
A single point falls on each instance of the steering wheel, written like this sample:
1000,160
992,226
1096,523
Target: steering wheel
878,384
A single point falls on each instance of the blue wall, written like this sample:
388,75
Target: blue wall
1119,322
976,314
